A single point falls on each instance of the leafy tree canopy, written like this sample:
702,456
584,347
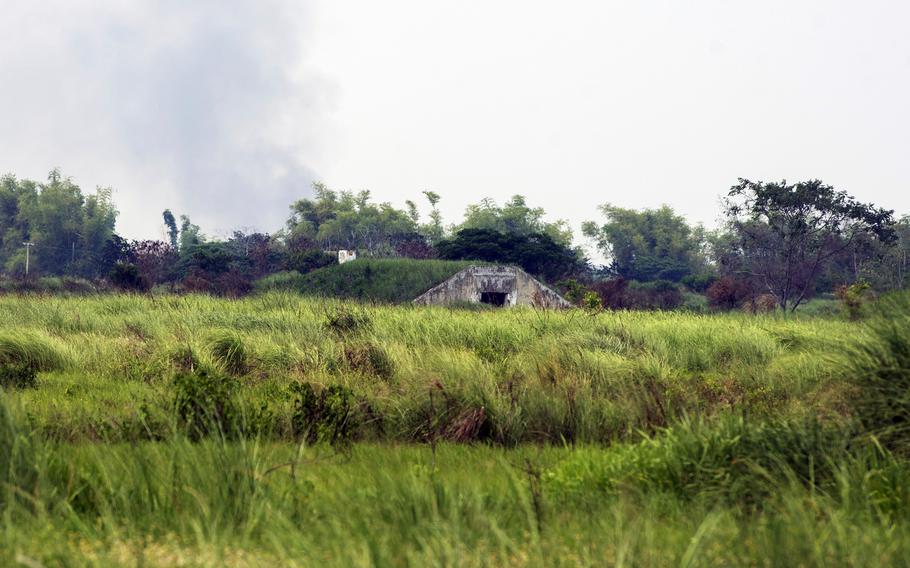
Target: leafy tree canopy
344,220
69,229
790,233
537,253
648,245
514,217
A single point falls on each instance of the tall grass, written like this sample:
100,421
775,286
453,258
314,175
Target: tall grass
190,430
507,377
248,502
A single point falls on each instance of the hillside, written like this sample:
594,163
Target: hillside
379,280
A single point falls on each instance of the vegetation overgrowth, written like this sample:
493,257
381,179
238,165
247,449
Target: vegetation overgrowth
165,430
397,280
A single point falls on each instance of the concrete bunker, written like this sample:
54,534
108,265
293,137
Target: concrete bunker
499,286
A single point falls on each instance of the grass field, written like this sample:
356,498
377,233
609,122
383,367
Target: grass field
282,430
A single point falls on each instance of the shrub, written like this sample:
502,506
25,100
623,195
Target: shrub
205,404
853,297
125,276
18,376
327,416
612,293
761,304
233,284
309,260
699,282
656,295
729,293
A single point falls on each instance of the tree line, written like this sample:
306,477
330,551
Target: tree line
780,242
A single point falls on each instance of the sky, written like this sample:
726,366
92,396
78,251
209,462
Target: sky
229,110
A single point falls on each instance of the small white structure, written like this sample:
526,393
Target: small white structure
346,256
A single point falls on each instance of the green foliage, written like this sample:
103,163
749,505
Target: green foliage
172,233
516,219
69,229
344,321
375,280
229,351
29,350
325,416
309,260
879,367
537,253
652,244
853,297
18,472
790,233
733,460
126,277
370,359
18,375
205,403
343,220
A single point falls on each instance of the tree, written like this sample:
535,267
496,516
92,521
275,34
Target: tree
69,230
344,220
433,230
514,217
648,245
789,233
537,253
171,223
190,234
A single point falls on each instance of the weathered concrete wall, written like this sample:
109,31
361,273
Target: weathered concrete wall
521,288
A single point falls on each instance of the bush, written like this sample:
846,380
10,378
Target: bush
327,416
205,404
699,282
656,295
309,260
125,276
621,294
729,293
18,376
853,297
612,293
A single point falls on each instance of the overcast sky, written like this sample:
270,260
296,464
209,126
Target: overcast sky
229,110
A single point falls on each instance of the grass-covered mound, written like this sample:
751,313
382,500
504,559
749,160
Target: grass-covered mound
371,280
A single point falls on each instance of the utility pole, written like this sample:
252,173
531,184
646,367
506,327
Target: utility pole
28,248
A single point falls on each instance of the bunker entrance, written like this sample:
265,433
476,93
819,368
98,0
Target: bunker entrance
497,299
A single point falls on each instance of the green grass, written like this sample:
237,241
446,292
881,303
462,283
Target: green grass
286,430
368,280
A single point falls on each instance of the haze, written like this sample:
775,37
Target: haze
228,111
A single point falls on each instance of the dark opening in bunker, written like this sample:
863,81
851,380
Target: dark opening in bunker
497,299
